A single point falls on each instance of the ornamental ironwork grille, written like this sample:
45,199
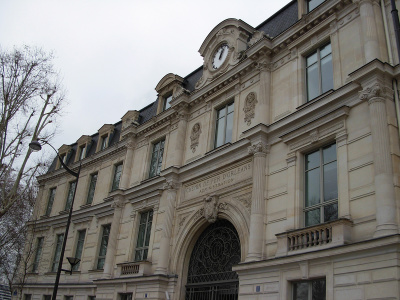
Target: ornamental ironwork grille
210,274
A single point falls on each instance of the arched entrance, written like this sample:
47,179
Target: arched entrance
210,275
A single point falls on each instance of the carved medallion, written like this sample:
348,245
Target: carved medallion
249,107
194,136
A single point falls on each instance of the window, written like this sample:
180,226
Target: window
311,4
70,196
142,245
117,177
104,142
321,191
319,72
125,296
27,296
309,290
82,152
224,125
167,103
46,297
52,194
92,188
68,297
63,158
57,252
39,247
103,246
156,158
91,297
79,247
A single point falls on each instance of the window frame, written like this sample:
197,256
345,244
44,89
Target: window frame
143,248
57,252
103,256
90,193
310,287
82,152
117,172
166,102
50,201
103,142
80,242
320,73
38,254
125,296
157,162
225,117
322,203
70,195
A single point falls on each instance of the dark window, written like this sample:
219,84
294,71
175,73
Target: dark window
52,194
319,72
92,188
39,248
311,4
68,297
309,290
142,245
156,158
125,296
224,125
57,252
46,297
321,191
117,177
103,246
27,296
79,247
70,195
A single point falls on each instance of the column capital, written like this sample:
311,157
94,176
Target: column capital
170,185
259,148
371,92
118,202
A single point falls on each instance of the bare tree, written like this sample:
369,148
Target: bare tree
31,98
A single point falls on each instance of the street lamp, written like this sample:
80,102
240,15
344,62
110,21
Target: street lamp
36,146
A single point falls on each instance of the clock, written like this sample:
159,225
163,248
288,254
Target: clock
220,55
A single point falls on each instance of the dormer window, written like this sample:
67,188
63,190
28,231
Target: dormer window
63,158
82,152
167,102
311,4
105,136
63,152
104,142
83,147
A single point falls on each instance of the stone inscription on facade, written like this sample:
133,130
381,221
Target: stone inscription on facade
219,181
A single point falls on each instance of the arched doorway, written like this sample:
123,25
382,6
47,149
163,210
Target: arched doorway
210,275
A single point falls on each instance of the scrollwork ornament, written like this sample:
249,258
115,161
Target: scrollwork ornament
258,148
249,107
195,136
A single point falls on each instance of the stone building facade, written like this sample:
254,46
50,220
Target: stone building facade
270,172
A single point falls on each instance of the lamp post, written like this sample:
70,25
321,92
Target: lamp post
36,146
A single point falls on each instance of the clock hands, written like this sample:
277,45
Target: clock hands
222,52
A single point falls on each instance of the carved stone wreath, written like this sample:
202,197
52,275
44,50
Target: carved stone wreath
249,107
194,136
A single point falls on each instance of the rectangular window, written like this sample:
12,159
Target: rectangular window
309,290
142,245
27,296
92,188
91,297
68,297
104,142
167,103
103,246
319,72
311,4
321,190
52,194
156,158
125,296
82,152
117,177
224,125
39,248
70,195
79,247
57,252
46,297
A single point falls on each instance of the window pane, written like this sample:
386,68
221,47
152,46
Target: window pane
312,59
300,291
313,4
229,128
312,160
138,255
330,181
50,202
221,113
79,247
329,153
327,73
100,263
313,187
312,82
70,196
325,50
313,217
230,108
39,248
330,212
92,187
318,290
140,241
57,252
220,133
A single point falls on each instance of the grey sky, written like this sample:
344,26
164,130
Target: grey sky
112,54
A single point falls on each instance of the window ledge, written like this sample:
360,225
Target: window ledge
136,268
96,271
50,273
45,217
316,99
86,205
321,236
64,212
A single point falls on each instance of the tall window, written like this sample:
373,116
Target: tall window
142,245
47,297
104,142
70,195
52,194
311,4
321,191
92,188
57,252
167,103
82,152
309,290
125,296
39,248
79,247
319,72
103,246
156,158
224,125
117,177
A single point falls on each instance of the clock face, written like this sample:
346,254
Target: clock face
220,56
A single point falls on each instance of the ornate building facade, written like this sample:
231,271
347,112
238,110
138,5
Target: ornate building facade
270,172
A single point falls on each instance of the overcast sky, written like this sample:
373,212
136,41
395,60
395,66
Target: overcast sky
112,54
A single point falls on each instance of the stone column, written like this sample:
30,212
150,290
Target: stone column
180,138
256,237
127,170
118,204
292,205
265,88
369,30
165,243
343,175
384,187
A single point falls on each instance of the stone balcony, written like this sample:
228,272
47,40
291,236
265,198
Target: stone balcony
318,237
140,268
